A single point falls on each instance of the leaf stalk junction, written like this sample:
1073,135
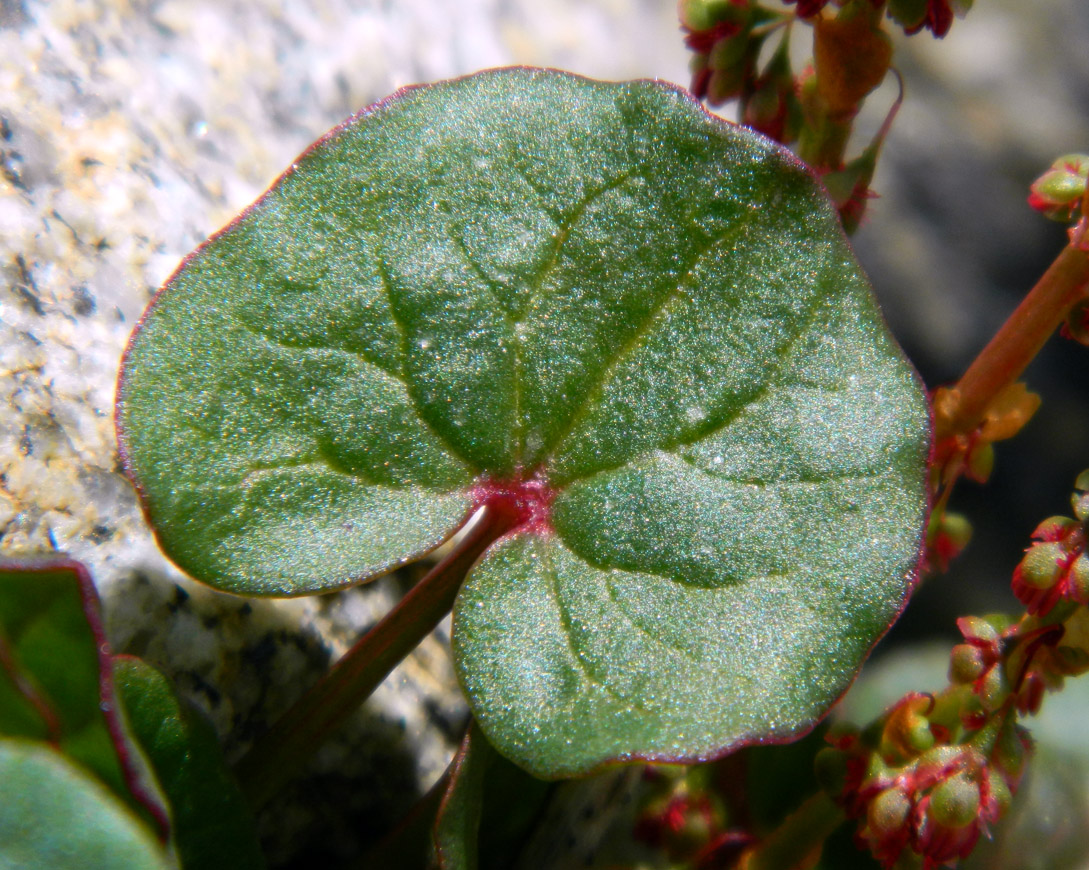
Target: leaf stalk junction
500,507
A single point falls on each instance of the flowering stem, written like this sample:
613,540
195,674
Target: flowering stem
1014,346
786,22
823,143
289,744
798,840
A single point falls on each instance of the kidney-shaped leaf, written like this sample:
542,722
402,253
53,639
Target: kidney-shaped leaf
488,808
55,678
211,824
640,318
56,815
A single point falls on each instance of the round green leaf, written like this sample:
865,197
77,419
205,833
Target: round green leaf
55,814
211,825
56,682
488,808
643,320
457,822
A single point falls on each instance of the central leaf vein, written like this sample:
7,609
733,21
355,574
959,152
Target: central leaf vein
567,627
593,391
410,386
512,340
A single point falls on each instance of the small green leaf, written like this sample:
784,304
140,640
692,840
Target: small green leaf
56,815
55,681
487,810
212,826
457,823
642,322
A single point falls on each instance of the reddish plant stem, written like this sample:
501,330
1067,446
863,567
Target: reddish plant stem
1045,636
1016,344
798,841
288,745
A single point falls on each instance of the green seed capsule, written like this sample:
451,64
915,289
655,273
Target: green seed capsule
888,812
994,690
955,802
1041,565
1079,579
966,663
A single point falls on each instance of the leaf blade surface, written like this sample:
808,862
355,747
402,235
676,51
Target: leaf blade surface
57,815
527,277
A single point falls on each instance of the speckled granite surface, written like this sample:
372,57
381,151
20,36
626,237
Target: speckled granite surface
131,129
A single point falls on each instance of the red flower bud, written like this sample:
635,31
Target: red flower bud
937,16
1080,499
1059,191
809,8
949,534
1053,569
1076,325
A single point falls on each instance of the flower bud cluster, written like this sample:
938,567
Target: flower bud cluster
913,15
814,110
683,817
726,37
679,824
1056,567
912,790
971,454
1003,663
930,776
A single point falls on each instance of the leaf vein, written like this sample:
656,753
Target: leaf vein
567,628
594,390
330,348
638,626
564,227
715,427
512,337
801,480
773,379
256,469
387,288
